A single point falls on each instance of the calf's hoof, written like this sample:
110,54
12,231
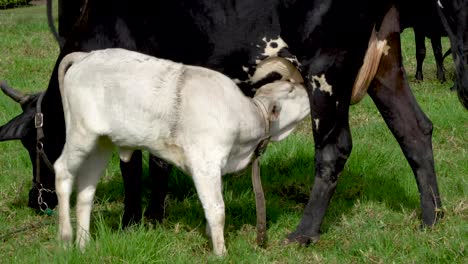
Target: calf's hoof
301,239
221,252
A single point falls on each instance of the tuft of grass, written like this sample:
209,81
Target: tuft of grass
374,216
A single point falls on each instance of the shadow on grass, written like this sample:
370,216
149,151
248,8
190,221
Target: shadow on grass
287,179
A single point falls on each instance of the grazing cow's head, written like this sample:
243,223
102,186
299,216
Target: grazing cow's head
23,127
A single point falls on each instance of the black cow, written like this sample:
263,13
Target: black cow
454,16
422,16
328,39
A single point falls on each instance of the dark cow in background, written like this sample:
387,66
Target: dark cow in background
422,16
68,14
454,15
232,37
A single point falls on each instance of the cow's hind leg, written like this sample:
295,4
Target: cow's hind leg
87,179
410,126
332,147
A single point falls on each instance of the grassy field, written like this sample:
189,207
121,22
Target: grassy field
374,216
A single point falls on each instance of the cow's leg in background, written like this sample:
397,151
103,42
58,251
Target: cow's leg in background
132,174
332,147
437,49
410,126
159,176
419,40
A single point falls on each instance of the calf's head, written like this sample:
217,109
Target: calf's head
22,127
286,104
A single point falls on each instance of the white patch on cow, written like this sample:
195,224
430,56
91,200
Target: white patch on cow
316,122
324,86
278,44
337,103
293,60
245,68
382,45
236,81
439,3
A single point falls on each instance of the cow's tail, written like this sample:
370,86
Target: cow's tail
369,68
66,63
53,29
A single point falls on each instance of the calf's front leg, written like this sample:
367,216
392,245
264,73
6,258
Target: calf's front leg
132,174
209,189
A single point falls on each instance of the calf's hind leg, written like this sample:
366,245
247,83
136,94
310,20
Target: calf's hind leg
67,167
87,179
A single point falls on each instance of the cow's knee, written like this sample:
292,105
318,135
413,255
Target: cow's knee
331,158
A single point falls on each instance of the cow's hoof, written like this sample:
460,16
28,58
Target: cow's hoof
300,239
419,77
130,219
430,222
155,215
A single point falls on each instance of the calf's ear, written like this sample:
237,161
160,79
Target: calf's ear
17,128
275,112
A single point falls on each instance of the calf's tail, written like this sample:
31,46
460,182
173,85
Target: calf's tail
66,63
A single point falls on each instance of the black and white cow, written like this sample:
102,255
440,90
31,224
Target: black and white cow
328,41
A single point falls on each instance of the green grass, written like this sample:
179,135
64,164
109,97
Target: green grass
13,3
374,216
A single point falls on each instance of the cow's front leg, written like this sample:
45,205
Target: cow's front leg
159,171
207,181
420,53
437,49
132,174
332,147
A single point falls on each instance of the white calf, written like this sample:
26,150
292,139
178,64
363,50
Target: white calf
193,117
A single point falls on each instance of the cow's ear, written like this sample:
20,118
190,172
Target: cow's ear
274,112
17,128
